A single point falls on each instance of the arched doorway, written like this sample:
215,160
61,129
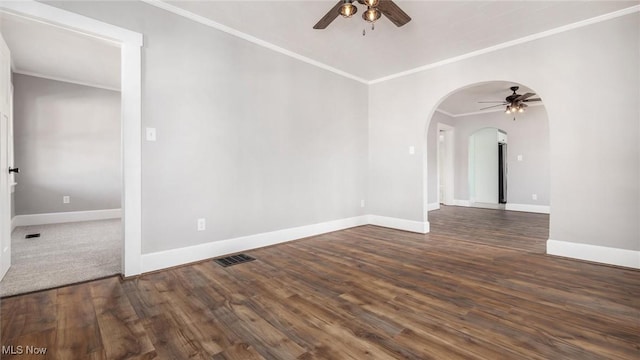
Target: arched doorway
485,174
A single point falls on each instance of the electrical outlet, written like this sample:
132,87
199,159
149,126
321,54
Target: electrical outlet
361,203
202,224
412,150
66,199
534,196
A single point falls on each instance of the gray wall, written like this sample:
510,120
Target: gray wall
229,150
67,142
580,74
527,136
249,139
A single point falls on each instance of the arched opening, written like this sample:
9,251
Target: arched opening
495,160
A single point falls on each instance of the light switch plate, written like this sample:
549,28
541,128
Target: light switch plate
151,134
412,150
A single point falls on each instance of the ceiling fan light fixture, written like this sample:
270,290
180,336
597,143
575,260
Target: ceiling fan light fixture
348,9
371,15
371,3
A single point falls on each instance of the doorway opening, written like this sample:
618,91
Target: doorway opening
498,163
130,117
67,142
446,165
502,173
488,169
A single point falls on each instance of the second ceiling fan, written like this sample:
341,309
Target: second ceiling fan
514,102
375,8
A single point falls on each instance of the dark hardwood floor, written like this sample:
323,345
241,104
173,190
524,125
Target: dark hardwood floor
511,229
477,287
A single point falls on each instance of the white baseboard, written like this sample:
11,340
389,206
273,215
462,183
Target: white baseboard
65,217
433,206
482,205
421,227
174,257
458,202
541,209
601,254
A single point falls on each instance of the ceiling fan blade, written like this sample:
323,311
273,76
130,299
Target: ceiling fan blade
489,102
489,107
393,12
525,96
534,99
329,16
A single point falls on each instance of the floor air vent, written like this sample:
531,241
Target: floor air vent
31,236
234,260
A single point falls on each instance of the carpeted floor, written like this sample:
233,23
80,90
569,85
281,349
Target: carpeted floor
63,254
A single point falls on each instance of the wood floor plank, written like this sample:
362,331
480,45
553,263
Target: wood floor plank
122,333
479,286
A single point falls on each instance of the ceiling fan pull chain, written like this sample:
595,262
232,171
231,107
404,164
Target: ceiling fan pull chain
373,26
364,32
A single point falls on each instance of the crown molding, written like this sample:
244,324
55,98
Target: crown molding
208,22
216,25
488,111
504,45
446,113
54,78
51,15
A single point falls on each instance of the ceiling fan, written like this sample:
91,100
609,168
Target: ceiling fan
514,102
375,8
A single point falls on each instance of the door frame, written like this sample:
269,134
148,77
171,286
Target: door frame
448,167
131,113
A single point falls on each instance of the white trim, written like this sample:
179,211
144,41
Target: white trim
65,217
445,112
131,119
71,21
174,257
480,112
541,209
433,206
601,254
504,45
131,123
250,38
208,22
482,205
458,202
54,78
421,227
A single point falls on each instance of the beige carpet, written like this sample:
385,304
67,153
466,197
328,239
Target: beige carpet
63,254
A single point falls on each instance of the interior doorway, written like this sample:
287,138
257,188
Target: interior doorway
488,176
67,198
446,164
502,173
131,66
517,176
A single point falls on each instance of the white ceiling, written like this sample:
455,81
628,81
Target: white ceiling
466,101
439,30
44,50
